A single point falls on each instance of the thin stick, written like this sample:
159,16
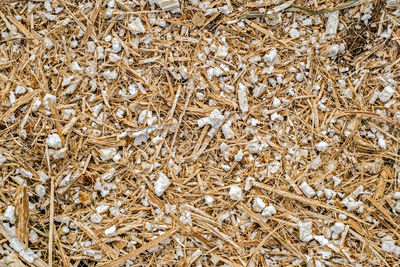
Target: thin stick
51,219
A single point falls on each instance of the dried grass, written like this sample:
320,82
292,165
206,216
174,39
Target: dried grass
326,98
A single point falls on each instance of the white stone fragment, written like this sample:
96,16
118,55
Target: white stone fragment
226,167
269,210
235,192
242,97
215,120
26,173
116,46
136,26
396,195
76,67
108,153
227,131
294,33
276,102
111,231
2,158
222,51
258,204
49,98
332,22
110,74
161,184
96,254
96,218
146,117
102,208
48,43
9,214
33,236
332,51
19,90
248,184
307,190
272,57
108,175
36,103
389,245
209,200
337,229
60,154
305,231
322,146
40,190
54,141
386,94
167,5
239,156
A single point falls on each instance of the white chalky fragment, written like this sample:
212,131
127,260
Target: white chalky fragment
33,236
167,5
108,175
54,141
225,167
60,154
161,184
36,103
222,51
110,74
109,232
49,98
276,102
40,190
322,146
2,158
272,57
294,33
209,200
108,153
136,26
75,66
337,229
215,120
102,208
307,190
386,94
116,45
248,184
332,50
258,204
26,173
146,117
96,218
227,131
396,195
305,231
242,97
269,211
235,192
239,155
332,22
389,245
95,254
19,247
19,90
48,43
9,214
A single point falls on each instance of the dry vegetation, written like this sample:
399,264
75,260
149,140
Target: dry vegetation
223,133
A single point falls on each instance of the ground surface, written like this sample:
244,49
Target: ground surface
216,133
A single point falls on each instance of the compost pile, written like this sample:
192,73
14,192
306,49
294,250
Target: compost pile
199,133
